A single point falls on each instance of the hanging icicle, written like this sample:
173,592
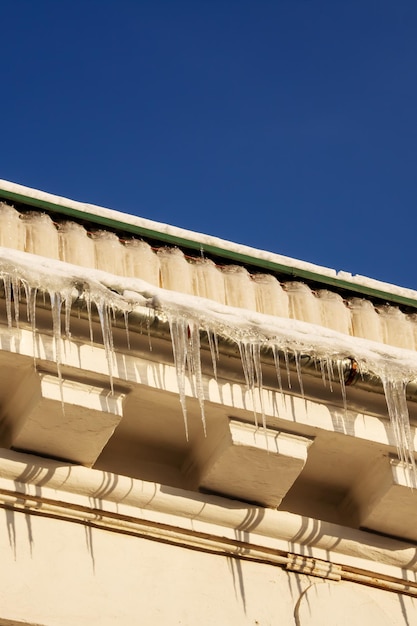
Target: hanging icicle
255,336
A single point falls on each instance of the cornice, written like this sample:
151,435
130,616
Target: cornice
206,523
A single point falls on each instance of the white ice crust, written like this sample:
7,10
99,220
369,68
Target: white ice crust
27,274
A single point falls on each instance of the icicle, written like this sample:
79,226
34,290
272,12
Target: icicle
148,330
248,372
194,367
395,396
342,382
323,371
326,371
11,285
103,310
126,317
26,289
250,355
247,364
32,310
275,353
56,305
31,295
299,375
7,285
185,337
214,349
256,356
57,300
68,305
90,319
179,337
16,299
287,366
331,372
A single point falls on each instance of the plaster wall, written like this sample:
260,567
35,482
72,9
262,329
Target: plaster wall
60,573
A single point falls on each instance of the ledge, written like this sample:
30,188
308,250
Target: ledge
61,418
384,500
248,463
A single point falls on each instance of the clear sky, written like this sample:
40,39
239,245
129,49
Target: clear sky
286,125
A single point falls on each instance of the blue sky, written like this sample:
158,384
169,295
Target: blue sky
289,126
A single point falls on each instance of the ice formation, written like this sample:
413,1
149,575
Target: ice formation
25,276
41,235
169,268
75,245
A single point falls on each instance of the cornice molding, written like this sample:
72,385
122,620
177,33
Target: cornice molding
207,523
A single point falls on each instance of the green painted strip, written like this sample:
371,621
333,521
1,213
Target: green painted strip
216,251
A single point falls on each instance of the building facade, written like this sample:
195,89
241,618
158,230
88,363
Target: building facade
193,431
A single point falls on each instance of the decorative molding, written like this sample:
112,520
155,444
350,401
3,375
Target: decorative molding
207,523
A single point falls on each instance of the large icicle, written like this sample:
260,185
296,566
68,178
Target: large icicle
185,337
250,355
395,394
179,339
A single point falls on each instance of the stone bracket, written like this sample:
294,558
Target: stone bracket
384,500
252,464
63,418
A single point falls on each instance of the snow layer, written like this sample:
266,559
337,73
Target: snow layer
26,274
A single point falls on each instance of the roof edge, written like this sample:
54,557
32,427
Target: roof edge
242,254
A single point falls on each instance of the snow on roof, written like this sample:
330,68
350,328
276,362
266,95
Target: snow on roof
205,240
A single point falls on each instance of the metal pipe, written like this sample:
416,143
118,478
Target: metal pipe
369,579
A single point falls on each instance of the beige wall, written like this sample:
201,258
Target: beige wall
57,572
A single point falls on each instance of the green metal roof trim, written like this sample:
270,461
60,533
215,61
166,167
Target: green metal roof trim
190,244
